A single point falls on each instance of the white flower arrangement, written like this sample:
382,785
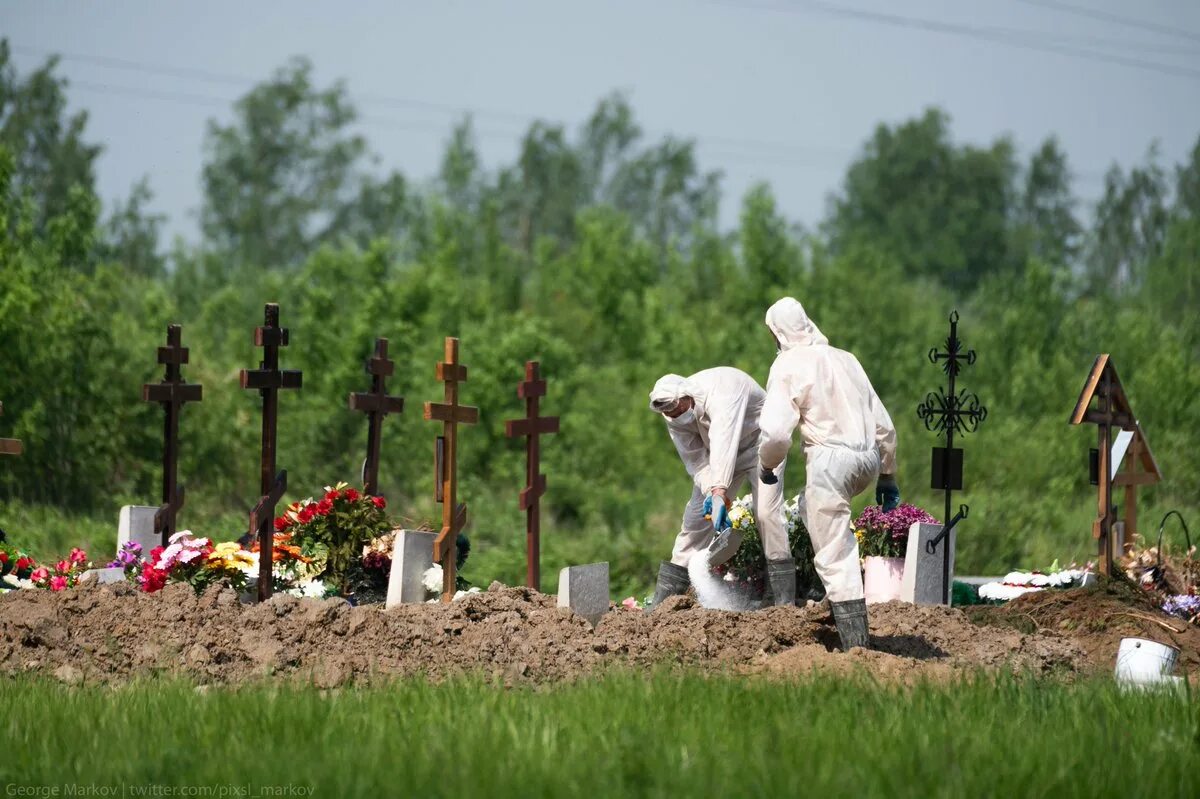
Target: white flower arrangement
12,582
432,581
310,589
1016,584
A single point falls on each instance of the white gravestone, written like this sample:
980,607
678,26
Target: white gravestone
137,524
412,556
584,589
923,582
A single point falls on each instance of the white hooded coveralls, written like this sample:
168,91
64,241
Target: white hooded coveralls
719,449
847,433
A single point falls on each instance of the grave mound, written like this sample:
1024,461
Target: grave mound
111,632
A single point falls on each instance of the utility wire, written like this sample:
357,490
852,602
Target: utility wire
1008,36
1083,11
247,82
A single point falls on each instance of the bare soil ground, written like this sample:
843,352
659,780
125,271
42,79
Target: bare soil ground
107,633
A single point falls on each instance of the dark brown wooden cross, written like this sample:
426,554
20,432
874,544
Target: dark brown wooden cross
451,415
267,380
9,446
171,393
1111,408
376,404
531,427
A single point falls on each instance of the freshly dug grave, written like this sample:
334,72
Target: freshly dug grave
1097,619
102,633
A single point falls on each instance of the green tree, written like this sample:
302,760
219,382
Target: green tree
46,142
276,177
1047,222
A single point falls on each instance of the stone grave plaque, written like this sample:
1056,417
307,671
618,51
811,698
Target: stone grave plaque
924,582
584,589
412,556
136,523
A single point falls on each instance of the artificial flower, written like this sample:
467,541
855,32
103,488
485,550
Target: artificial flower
379,502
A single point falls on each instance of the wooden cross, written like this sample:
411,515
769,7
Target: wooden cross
1132,450
171,393
9,446
1103,388
451,415
376,404
535,483
267,380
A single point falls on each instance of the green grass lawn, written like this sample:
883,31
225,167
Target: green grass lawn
623,735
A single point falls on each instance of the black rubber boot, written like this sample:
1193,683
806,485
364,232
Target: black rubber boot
782,576
851,620
672,580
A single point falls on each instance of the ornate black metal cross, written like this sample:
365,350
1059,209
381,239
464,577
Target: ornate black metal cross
451,415
171,393
376,404
267,380
946,413
535,483
9,446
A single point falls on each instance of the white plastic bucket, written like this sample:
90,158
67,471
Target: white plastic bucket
1143,661
882,578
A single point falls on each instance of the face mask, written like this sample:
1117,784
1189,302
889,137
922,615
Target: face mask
685,418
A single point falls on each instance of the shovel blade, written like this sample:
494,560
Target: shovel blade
724,546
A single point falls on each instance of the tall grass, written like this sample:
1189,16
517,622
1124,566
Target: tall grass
623,735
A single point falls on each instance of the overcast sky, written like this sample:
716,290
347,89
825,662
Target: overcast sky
779,90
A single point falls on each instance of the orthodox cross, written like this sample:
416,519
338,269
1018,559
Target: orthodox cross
1103,403
1130,451
946,413
535,483
376,404
9,446
267,380
171,393
445,458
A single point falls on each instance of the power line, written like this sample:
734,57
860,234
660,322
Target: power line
1008,36
423,125
1083,11
246,82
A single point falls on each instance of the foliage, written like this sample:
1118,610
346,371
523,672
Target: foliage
596,252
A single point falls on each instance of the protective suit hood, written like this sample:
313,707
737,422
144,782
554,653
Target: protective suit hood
791,325
671,388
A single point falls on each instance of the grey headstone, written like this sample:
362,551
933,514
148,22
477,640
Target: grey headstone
137,524
923,582
412,555
584,589
103,576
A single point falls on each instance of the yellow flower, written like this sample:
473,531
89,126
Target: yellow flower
858,535
228,555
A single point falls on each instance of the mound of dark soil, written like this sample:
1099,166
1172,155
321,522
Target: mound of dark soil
101,633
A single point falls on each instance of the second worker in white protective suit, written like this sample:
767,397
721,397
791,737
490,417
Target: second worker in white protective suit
712,417
848,441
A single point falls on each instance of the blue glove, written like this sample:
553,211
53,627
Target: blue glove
887,492
768,477
719,515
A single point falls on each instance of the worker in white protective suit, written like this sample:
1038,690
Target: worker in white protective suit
849,440
712,417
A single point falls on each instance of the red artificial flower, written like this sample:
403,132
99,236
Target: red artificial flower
62,567
78,555
58,583
352,495
152,579
155,554
24,563
325,506
281,523
306,513
40,574
331,495
3,557
379,502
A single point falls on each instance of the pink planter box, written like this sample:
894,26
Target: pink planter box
882,578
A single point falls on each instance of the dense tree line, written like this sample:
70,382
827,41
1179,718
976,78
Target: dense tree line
596,251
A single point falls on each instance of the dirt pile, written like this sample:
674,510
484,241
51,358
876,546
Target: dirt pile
101,633
1097,619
